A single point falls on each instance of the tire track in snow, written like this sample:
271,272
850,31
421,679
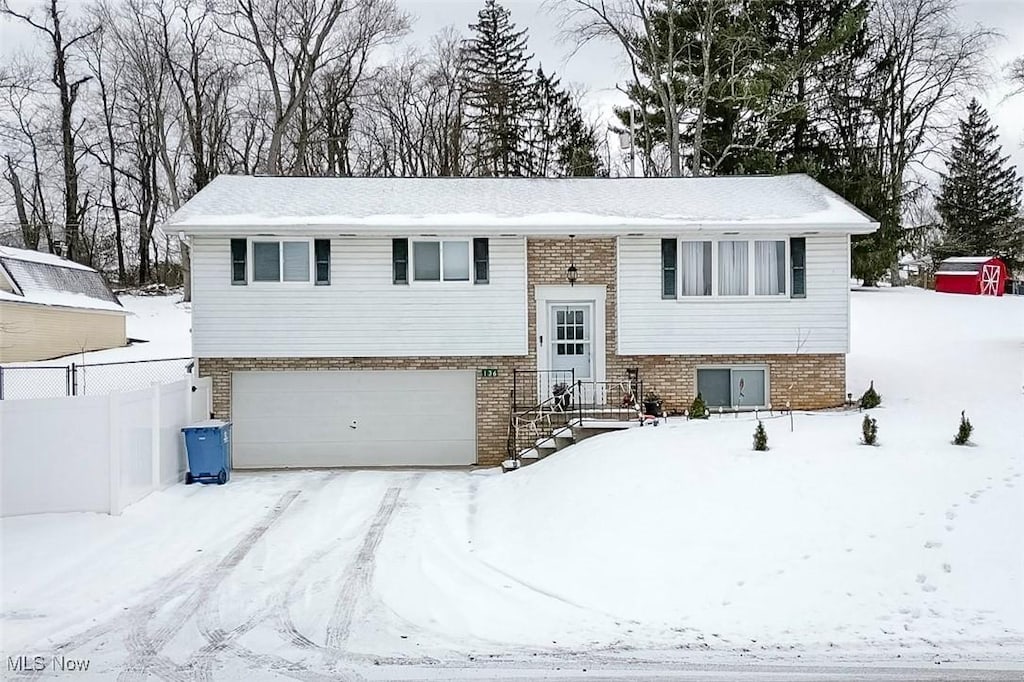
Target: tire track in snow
357,583
218,640
144,649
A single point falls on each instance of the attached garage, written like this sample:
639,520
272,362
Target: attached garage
334,418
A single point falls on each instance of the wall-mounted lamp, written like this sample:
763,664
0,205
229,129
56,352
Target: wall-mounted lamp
572,273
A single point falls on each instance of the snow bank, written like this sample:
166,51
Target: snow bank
684,528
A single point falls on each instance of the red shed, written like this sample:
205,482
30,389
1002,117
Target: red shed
982,275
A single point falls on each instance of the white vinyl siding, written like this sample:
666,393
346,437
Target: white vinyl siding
651,325
362,313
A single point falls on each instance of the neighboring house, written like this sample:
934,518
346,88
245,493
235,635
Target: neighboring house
50,307
407,290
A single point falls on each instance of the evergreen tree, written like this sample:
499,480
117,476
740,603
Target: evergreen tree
561,142
499,93
980,196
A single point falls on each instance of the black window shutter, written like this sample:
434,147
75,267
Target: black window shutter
322,260
400,260
668,267
798,267
481,260
238,262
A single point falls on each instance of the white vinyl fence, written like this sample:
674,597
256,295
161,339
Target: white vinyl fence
95,453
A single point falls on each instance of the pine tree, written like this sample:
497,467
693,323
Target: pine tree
561,142
980,197
499,93
760,437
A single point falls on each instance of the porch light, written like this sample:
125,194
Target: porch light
572,273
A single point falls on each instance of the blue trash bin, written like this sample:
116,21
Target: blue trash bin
208,446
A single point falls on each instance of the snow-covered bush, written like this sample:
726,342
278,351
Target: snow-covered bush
760,437
869,429
699,409
870,398
963,434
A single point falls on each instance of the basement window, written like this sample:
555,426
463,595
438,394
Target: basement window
733,387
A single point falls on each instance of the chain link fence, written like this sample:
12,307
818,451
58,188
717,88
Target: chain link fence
18,383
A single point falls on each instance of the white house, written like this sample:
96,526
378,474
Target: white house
369,321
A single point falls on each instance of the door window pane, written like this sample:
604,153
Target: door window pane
732,268
266,261
426,261
456,261
713,385
296,261
748,387
769,268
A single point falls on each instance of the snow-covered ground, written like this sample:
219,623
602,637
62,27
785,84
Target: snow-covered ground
639,554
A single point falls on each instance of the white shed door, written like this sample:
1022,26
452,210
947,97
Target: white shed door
353,418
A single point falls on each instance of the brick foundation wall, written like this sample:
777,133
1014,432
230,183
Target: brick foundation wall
492,393
806,382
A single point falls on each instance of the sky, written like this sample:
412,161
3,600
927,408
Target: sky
598,67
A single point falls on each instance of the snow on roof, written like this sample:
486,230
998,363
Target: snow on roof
40,257
969,259
45,279
605,203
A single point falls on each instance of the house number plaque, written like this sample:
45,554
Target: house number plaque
489,372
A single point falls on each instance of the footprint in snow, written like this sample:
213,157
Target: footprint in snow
932,544
928,588
950,515
950,527
947,568
921,577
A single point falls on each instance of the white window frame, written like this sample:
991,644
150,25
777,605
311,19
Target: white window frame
756,366
441,281
751,270
280,262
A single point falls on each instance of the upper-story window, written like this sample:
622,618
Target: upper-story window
280,260
440,260
435,261
732,268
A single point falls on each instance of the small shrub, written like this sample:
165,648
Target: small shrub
869,427
699,409
760,437
963,434
870,398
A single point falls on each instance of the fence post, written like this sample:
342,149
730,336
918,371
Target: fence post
73,379
114,412
1,383
155,435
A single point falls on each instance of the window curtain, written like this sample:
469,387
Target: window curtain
732,268
696,261
769,268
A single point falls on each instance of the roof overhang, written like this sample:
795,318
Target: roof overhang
647,229
68,308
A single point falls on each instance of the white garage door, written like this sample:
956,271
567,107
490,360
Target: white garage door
353,418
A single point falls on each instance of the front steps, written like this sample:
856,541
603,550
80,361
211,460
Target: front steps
573,432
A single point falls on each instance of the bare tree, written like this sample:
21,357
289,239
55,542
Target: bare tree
292,41
631,24
925,60
68,84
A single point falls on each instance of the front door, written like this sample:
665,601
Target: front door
571,346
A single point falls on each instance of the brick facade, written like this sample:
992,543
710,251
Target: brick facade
804,381
492,393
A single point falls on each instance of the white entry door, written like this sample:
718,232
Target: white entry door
570,346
